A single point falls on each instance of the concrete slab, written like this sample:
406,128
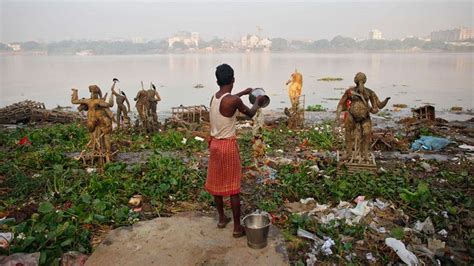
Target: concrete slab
185,239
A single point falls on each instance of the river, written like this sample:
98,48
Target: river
442,79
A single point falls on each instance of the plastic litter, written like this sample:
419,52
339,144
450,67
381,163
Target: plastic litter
426,227
307,200
435,244
370,257
426,166
429,143
380,204
91,170
359,199
405,255
361,208
305,234
467,147
198,138
24,141
318,208
443,233
326,248
136,200
315,168
5,239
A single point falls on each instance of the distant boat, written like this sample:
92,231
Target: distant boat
199,86
85,52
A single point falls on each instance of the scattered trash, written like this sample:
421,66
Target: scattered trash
381,229
91,170
359,199
426,112
380,204
5,239
370,257
426,166
184,141
136,200
318,208
305,234
443,233
307,200
24,141
315,168
326,248
327,218
467,147
425,227
435,244
21,259
405,255
429,143
361,208
198,138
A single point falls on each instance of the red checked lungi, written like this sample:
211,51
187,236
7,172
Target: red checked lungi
225,170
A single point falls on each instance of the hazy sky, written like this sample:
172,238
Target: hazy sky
59,20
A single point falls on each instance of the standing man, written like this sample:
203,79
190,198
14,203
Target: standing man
225,169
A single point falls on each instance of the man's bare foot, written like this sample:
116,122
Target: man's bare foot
223,222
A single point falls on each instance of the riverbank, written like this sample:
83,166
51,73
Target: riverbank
53,204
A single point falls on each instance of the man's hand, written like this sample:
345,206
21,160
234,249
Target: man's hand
247,91
260,101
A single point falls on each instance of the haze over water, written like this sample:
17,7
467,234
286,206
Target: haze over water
444,79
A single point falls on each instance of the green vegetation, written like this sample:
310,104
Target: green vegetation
59,206
315,108
73,203
330,79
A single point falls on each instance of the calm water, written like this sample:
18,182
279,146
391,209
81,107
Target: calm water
442,79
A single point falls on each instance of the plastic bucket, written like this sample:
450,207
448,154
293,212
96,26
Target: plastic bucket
259,92
257,226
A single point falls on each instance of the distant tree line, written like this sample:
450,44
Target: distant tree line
337,44
346,44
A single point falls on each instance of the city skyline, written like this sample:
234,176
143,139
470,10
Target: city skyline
55,21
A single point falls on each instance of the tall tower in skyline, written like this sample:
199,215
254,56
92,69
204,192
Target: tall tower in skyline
375,35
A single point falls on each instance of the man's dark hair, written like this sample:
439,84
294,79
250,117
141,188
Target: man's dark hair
224,75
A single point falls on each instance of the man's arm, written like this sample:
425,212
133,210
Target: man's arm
244,92
250,112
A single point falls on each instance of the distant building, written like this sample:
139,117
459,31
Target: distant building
189,39
375,35
137,40
254,41
459,34
15,46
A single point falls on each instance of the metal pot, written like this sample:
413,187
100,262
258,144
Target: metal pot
259,92
257,226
